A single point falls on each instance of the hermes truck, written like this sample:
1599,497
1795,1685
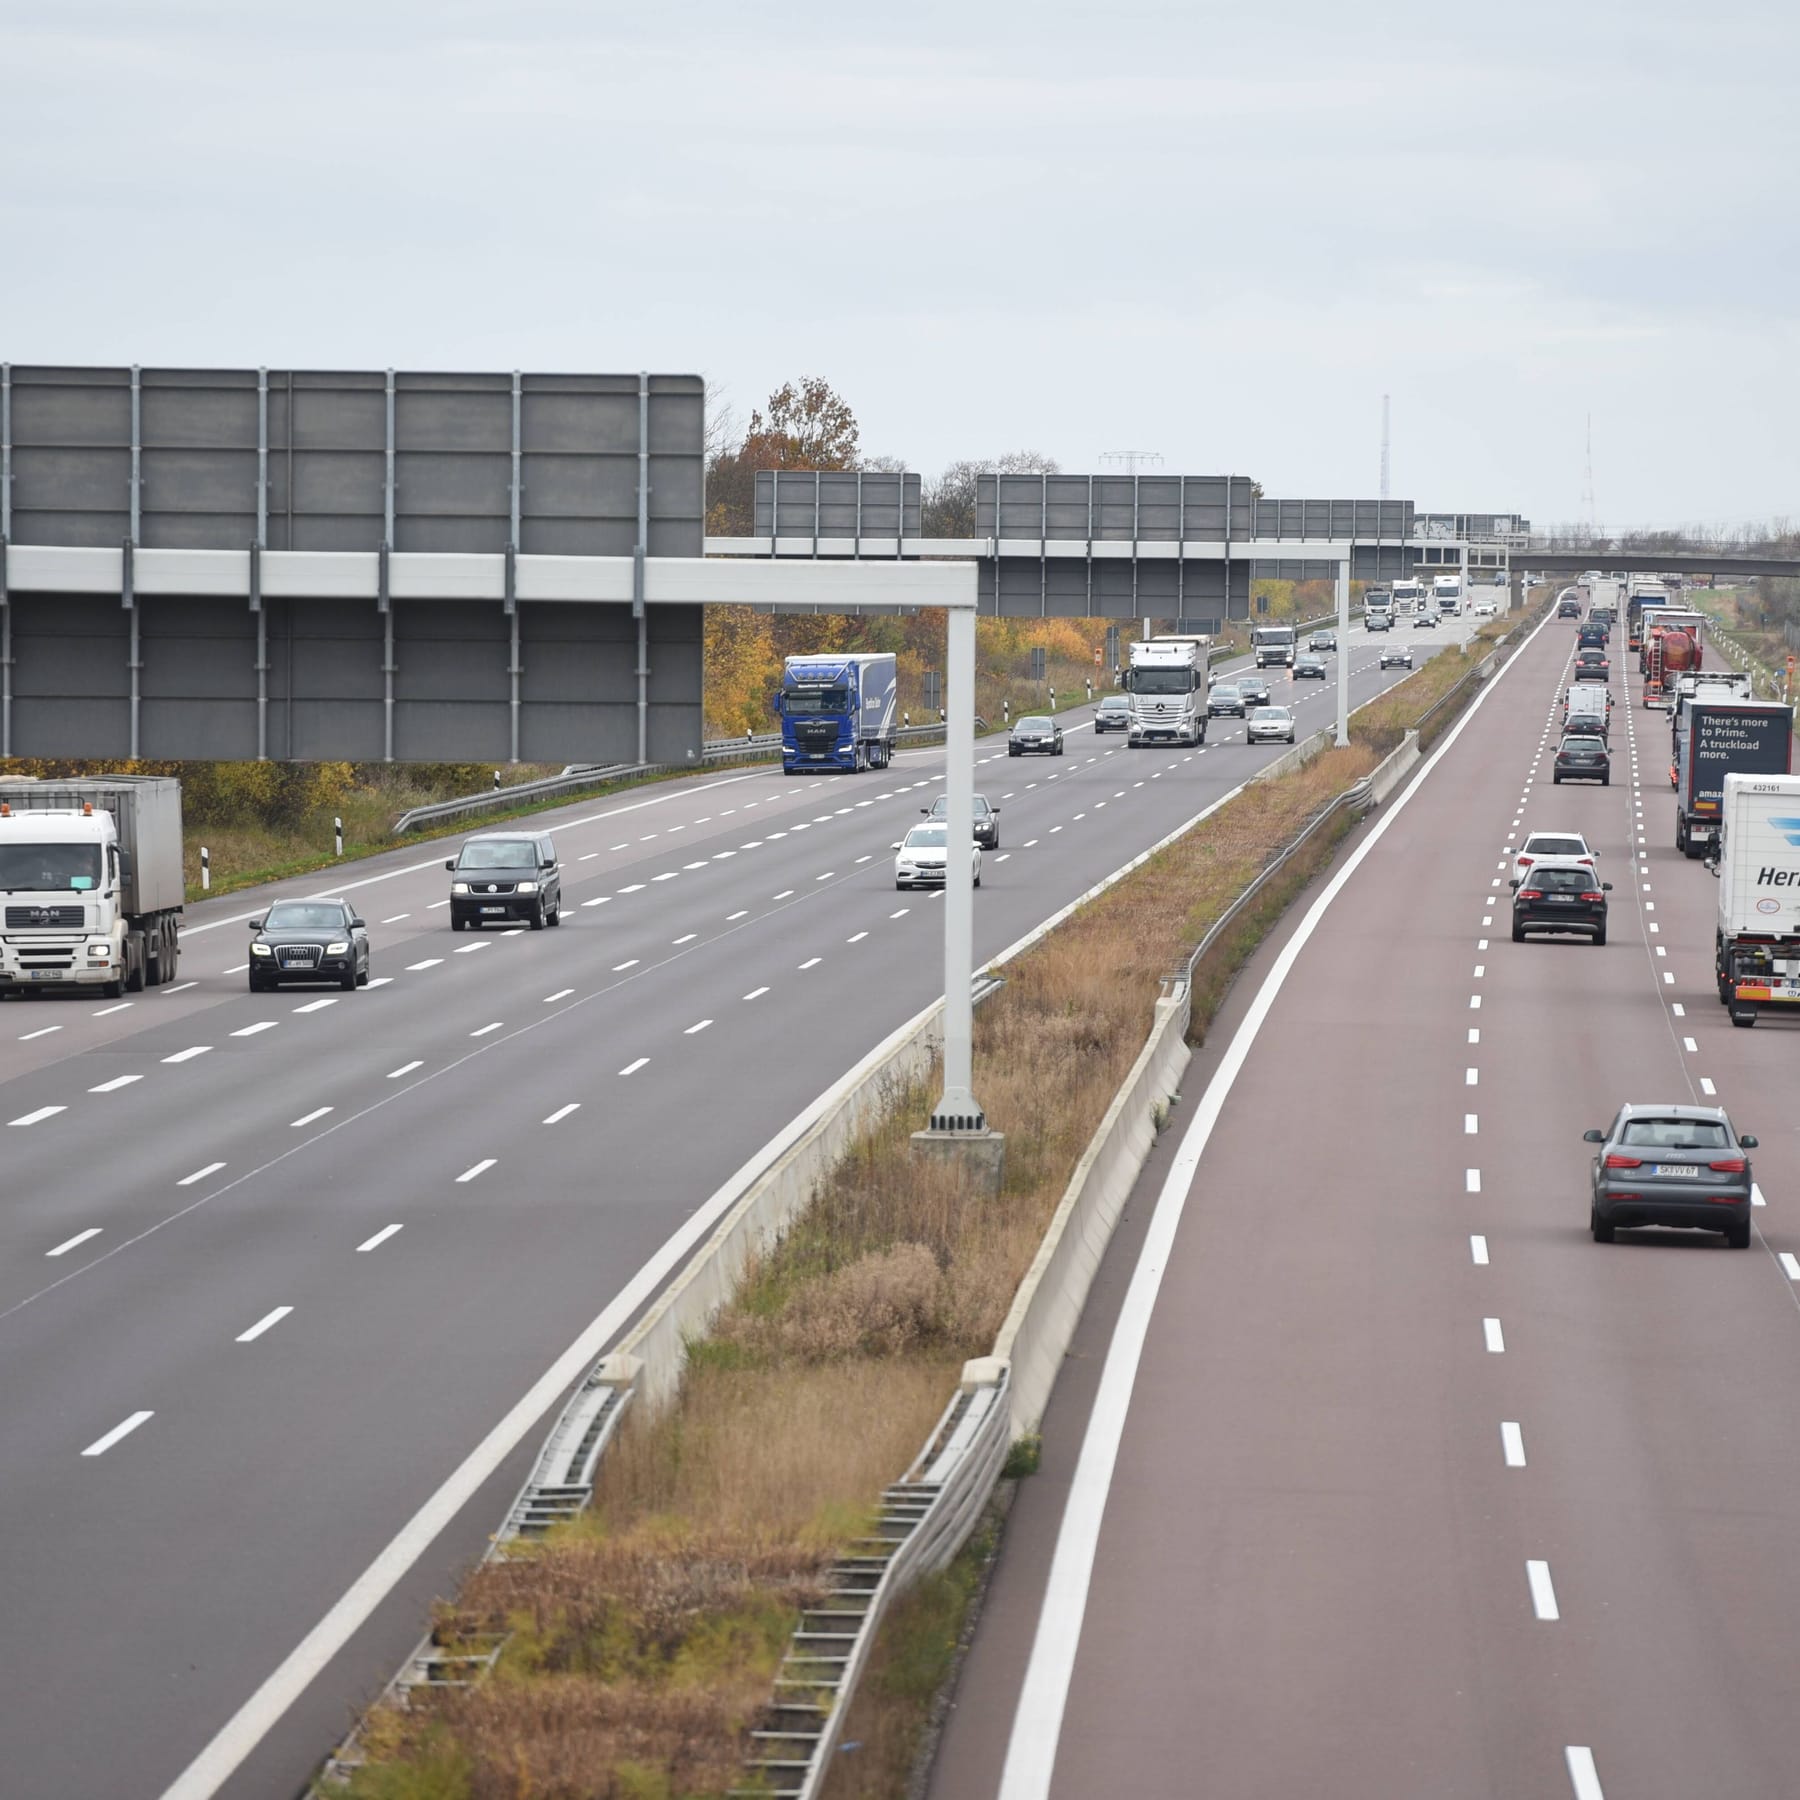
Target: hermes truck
1756,951
1716,738
837,712
91,882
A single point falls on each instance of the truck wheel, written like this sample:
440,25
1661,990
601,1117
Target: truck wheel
1743,1015
134,968
111,990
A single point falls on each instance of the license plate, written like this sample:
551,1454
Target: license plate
493,909
1561,899
47,975
1675,1171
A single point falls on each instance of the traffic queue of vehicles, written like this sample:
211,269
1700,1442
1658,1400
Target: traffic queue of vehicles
1738,803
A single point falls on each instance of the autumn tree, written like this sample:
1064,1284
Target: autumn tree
949,501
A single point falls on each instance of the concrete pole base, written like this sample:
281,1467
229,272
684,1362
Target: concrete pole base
981,1155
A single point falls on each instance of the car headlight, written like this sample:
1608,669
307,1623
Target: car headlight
459,887
338,949
526,887
261,950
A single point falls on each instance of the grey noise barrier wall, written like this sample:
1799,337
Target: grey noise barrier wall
235,563
1093,546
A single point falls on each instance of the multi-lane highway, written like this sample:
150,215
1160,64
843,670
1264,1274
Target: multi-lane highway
274,1267
1393,1482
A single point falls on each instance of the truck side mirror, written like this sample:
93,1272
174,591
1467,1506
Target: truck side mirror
775,703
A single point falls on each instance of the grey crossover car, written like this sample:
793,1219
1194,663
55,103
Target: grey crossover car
1671,1165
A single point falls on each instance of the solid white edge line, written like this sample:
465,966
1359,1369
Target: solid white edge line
1037,1722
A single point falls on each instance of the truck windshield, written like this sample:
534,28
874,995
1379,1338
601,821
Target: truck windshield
49,868
1162,681
816,700
1274,634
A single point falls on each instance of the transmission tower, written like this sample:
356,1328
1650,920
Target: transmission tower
1131,459
1590,511
1384,446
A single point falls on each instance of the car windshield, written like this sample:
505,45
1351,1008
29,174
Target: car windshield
49,868
1563,881
498,853
1675,1134
816,700
1034,725
1272,712
940,807
304,915
1115,703
1539,845
1226,690
926,836
1582,744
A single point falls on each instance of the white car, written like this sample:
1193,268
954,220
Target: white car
919,861
1397,654
1485,609
1538,844
1268,723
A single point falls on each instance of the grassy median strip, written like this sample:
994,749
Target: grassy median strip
638,1644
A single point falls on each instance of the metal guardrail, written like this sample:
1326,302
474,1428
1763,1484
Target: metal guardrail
573,778
926,1517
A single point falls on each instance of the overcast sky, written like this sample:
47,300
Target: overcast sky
1216,232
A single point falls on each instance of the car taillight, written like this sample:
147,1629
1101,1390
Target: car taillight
1594,896
1731,1165
1531,893
1525,862
1616,1161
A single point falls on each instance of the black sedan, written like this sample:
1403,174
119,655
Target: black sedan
1226,699
1254,689
309,940
1559,894
1309,668
1582,758
1399,656
1037,735
1322,640
1671,1165
985,814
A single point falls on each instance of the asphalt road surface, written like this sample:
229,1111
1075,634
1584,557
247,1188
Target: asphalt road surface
272,1266
1372,1474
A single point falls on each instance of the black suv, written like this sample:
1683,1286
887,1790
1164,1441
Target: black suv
1580,757
1559,894
1592,665
986,818
309,940
505,875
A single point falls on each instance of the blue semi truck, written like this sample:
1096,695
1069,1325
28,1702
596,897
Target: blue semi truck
837,712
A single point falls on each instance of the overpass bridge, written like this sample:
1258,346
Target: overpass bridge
1656,562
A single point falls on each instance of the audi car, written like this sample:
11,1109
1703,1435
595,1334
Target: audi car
1269,723
1035,736
308,940
1671,1165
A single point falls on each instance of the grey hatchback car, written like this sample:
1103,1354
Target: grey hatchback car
1671,1165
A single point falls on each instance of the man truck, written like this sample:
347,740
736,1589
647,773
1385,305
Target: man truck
91,881
837,712
1717,738
1274,646
1166,684
1756,949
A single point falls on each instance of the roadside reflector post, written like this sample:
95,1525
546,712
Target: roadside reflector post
338,834
205,869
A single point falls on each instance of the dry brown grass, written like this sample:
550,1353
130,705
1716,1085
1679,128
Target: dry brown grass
819,1383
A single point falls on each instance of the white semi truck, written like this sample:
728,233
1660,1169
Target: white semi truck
1167,683
91,882
1756,951
1274,646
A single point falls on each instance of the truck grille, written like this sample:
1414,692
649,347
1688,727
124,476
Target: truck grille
47,956
812,735
53,918
491,887
299,956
